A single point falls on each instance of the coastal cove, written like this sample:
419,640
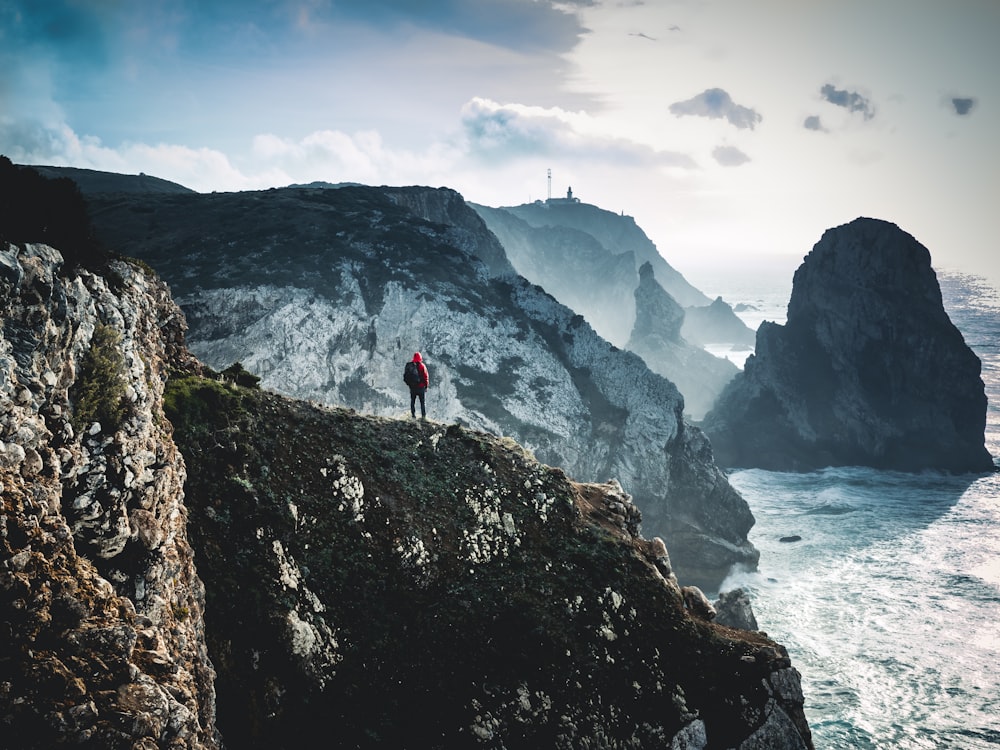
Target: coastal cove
889,601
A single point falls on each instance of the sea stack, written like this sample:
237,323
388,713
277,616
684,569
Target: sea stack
656,337
868,369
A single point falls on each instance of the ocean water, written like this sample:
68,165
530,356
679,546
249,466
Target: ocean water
889,604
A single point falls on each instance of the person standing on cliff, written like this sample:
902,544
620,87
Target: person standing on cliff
416,377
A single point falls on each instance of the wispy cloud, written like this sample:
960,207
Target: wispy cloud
729,156
849,100
502,131
717,103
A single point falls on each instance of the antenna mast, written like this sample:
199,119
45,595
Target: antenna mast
550,183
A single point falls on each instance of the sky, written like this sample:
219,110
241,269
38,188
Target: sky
735,132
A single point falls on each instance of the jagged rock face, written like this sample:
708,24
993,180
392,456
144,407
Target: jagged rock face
100,603
734,610
618,234
657,338
394,583
716,323
572,266
326,293
868,370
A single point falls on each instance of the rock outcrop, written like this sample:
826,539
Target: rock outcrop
101,607
396,583
716,323
325,293
656,337
733,609
868,370
377,582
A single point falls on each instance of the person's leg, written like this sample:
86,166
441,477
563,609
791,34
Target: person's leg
413,403
423,409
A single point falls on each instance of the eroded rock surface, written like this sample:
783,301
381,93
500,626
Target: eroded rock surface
391,583
100,603
868,369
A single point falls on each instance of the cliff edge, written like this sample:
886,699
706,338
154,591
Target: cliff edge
374,581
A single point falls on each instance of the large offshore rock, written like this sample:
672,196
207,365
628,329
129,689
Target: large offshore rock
868,370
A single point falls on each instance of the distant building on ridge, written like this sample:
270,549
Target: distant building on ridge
568,199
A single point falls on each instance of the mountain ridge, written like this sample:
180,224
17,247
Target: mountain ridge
325,293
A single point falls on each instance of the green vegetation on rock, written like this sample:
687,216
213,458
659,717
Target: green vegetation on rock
99,392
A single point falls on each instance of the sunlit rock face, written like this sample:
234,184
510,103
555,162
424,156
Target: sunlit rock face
868,370
100,602
656,337
325,293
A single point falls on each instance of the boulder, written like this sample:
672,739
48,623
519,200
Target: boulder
734,610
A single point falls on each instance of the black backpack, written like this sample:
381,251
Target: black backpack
411,374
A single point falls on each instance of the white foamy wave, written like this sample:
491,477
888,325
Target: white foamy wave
889,600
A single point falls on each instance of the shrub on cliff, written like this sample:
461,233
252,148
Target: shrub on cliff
99,392
36,209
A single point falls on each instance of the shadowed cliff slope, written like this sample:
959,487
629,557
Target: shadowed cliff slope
390,583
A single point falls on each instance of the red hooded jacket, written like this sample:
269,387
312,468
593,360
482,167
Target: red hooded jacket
424,377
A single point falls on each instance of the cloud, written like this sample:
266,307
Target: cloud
716,103
849,100
729,156
813,123
962,105
56,144
503,131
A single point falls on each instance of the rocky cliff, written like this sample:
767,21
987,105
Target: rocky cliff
656,337
376,582
101,608
592,261
716,323
392,583
868,369
325,293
